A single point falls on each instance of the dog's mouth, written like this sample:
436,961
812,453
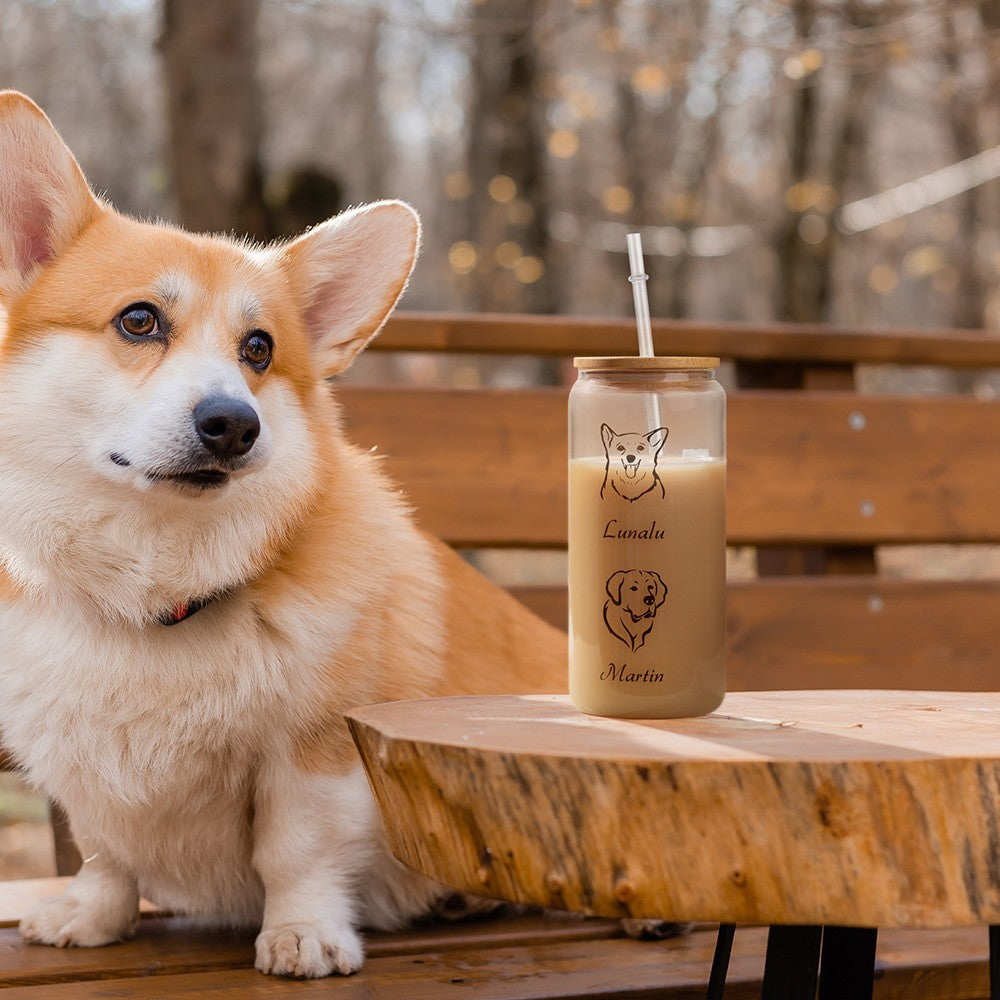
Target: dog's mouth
197,479
631,470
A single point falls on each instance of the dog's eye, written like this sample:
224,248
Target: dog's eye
621,447
139,321
256,349
641,447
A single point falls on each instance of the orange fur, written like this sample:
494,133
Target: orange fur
119,261
10,589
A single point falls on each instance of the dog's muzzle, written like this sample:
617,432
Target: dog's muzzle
631,465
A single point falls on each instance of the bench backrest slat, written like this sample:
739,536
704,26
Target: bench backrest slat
488,467
823,632
567,336
864,633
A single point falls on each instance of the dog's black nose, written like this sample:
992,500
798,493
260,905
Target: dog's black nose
630,459
649,599
226,426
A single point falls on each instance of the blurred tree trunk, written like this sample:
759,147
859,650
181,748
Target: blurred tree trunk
691,175
807,241
800,291
505,141
963,112
209,53
373,129
642,159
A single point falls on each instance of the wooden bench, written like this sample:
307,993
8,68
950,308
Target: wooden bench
823,480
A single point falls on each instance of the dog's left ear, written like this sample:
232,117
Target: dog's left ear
661,588
657,439
44,200
349,273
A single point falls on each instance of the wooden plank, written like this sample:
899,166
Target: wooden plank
488,467
844,633
839,468
588,336
929,964
855,808
617,968
920,965
480,466
162,945
495,931
848,633
167,945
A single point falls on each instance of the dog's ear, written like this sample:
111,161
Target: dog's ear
607,436
661,588
44,199
614,586
349,273
657,439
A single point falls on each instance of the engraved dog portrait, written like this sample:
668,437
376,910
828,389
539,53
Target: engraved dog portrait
631,457
634,597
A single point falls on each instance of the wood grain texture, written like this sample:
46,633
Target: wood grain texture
488,467
848,632
583,336
599,969
855,808
166,946
161,946
918,965
858,633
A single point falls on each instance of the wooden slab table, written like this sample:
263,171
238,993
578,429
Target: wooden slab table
843,810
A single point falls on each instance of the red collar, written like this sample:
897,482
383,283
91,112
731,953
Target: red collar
183,610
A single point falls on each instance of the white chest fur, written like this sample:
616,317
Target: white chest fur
152,737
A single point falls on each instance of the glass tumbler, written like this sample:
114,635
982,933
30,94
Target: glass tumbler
647,537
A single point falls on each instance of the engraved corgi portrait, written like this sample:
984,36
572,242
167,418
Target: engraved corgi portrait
634,597
631,462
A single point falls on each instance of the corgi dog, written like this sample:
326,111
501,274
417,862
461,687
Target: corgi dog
199,574
630,463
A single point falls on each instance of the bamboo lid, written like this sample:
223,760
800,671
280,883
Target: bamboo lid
631,362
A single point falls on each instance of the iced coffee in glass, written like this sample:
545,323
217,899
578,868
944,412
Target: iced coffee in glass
647,537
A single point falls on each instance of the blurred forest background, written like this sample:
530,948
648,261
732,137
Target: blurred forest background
815,160
804,160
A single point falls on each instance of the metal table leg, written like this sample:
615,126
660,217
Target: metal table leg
848,965
791,965
720,963
995,962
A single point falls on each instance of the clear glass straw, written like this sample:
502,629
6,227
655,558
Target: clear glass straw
638,278
643,326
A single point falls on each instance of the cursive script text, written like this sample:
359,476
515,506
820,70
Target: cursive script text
611,530
621,672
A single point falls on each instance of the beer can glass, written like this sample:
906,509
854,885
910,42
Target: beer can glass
647,537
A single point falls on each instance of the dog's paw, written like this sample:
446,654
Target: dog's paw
653,930
302,951
65,921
